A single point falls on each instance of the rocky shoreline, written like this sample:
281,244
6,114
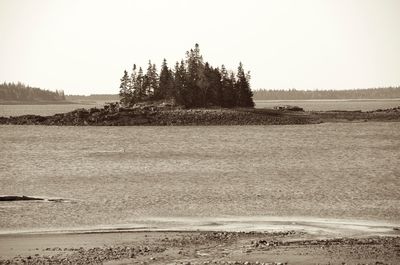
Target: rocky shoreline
159,115
249,248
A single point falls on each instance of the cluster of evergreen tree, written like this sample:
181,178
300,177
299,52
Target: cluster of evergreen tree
293,94
192,83
24,93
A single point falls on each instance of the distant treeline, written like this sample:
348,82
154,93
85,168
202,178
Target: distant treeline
293,94
192,83
22,93
105,97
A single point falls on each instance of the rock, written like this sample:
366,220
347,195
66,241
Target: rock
288,107
93,110
19,198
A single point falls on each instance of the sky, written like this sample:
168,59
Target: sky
83,47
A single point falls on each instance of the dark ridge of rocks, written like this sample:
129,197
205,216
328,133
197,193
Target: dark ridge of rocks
166,114
324,242
162,114
226,236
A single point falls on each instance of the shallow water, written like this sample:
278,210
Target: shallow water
115,176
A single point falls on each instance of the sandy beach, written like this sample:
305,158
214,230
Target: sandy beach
312,242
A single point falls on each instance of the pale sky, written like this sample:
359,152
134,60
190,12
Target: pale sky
83,46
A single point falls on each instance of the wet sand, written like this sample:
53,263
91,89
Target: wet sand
312,242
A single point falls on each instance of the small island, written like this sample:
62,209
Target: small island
193,93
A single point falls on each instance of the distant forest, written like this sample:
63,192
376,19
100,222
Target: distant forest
293,94
22,93
94,97
192,83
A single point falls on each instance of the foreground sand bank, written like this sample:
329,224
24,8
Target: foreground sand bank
291,242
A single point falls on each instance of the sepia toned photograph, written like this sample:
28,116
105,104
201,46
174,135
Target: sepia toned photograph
182,132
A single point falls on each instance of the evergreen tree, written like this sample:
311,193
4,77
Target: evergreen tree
132,92
166,86
228,91
213,85
180,82
150,82
233,89
203,85
154,79
245,95
195,77
124,89
217,85
139,86
171,89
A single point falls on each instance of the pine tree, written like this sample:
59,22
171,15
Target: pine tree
132,92
154,79
233,90
150,81
171,89
166,86
203,85
213,85
146,82
180,81
228,92
177,83
245,95
195,77
217,86
139,86
124,89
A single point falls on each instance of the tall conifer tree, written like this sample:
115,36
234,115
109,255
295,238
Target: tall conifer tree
124,89
150,81
166,87
139,86
132,93
245,95
227,89
180,82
